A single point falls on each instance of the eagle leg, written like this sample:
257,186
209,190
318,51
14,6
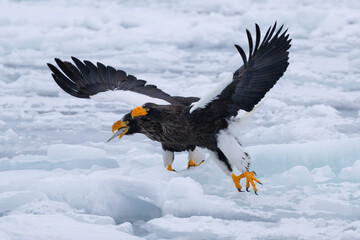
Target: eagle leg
169,167
196,157
249,180
191,163
168,158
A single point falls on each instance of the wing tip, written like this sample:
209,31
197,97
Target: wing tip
242,54
74,59
269,36
58,60
51,66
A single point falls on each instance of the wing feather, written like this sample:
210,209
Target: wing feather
250,43
85,79
267,62
258,36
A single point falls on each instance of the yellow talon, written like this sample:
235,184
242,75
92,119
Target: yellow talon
169,167
191,163
236,180
249,180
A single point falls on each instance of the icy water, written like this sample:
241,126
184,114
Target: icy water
59,180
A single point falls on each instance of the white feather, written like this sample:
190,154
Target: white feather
168,158
197,155
233,151
132,98
213,93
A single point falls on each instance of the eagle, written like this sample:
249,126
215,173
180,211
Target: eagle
189,123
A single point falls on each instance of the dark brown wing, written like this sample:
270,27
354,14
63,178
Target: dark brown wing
84,79
267,62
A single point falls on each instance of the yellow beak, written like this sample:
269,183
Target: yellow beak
119,124
139,111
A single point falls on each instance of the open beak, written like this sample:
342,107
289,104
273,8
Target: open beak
139,111
119,124
122,128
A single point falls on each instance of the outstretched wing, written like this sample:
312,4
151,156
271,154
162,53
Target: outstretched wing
267,62
85,80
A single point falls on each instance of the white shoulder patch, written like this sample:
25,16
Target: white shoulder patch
132,98
213,93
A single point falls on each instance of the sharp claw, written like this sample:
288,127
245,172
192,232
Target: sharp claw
249,180
169,168
191,163
260,183
254,172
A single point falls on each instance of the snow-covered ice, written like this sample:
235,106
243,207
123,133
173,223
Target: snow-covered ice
59,180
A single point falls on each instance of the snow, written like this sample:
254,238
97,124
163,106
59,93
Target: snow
59,180
208,228
322,174
57,227
351,173
64,151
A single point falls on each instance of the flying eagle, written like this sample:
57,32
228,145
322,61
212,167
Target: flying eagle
189,123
